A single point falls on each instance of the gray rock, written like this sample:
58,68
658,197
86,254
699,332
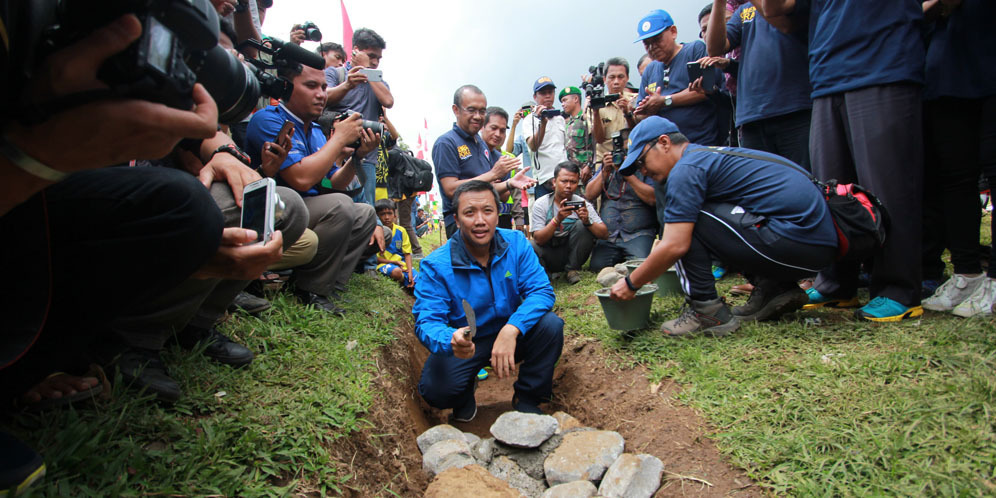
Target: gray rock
483,450
435,435
632,476
609,276
576,489
471,438
505,469
523,430
583,455
530,460
622,269
447,455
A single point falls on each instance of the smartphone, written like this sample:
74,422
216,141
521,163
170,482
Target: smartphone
284,131
258,208
708,75
574,204
373,74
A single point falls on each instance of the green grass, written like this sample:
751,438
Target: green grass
265,430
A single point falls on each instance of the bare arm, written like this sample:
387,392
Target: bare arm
383,93
510,142
594,187
597,129
543,235
391,128
537,138
716,42
643,191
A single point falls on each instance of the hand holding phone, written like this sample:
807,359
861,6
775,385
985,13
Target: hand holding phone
373,74
258,204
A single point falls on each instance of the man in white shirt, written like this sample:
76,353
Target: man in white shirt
545,136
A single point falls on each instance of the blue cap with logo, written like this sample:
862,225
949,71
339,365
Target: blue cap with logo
543,82
653,24
648,130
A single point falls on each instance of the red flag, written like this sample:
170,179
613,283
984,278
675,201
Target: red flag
419,155
347,32
426,123
420,141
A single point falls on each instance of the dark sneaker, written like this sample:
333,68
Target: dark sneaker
525,406
882,309
817,300
249,303
712,318
319,302
573,277
20,466
468,411
144,369
219,347
770,301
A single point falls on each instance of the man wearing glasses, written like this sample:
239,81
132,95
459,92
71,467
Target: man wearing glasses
461,155
349,88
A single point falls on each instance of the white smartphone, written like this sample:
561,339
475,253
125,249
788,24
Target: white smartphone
373,74
258,208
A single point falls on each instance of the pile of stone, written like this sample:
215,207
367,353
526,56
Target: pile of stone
536,456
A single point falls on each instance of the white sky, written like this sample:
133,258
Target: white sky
433,47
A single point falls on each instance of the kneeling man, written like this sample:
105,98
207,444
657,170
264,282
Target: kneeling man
499,275
753,210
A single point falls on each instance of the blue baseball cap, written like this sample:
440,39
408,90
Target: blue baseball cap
543,82
653,24
648,130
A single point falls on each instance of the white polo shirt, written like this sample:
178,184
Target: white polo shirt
552,151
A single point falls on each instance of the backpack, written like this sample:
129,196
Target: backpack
407,174
860,218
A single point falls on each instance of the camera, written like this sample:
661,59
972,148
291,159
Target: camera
574,204
373,126
595,87
550,113
178,47
619,147
311,31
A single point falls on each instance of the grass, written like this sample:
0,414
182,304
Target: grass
265,430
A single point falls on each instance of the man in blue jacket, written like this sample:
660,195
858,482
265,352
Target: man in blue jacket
498,273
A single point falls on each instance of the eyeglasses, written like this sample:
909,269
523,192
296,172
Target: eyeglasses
641,159
471,110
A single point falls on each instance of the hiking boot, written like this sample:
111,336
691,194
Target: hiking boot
980,302
952,292
219,347
770,300
319,302
711,318
882,309
817,300
573,277
144,369
249,303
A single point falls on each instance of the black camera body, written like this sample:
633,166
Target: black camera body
594,88
373,126
550,113
574,204
311,32
619,147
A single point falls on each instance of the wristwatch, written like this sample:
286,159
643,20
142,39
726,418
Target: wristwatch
667,101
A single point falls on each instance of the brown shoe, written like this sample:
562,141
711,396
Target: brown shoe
573,277
712,318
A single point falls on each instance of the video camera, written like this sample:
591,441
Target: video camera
550,113
374,126
595,87
178,47
311,31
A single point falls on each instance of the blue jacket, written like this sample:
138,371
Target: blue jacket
515,290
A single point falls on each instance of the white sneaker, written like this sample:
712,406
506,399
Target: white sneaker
980,302
952,292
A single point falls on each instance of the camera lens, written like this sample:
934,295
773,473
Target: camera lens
314,34
232,85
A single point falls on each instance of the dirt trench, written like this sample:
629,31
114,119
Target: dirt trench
385,459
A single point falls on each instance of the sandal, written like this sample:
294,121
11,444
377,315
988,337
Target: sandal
49,403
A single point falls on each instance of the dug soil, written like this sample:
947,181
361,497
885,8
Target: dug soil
385,459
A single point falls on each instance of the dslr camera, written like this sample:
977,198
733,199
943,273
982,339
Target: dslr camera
178,47
373,126
619,147
595,87
311,31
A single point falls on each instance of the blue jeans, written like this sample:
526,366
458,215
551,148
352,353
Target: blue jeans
611,253
448,381
367,175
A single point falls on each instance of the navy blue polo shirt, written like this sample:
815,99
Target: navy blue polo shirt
697,122
360,99
307,140
773,76
961,53
855,44
795,208
458,154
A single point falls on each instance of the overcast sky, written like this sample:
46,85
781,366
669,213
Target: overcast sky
434,47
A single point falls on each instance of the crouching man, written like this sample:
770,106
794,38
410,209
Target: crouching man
499,275
753,210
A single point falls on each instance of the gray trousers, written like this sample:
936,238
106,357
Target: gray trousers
202,302
874,136
566,256
344,228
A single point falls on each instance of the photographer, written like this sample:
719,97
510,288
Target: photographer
616,115
628,212
350,89
565,225
346,231
333,54
545,135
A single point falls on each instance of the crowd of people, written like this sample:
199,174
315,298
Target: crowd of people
707,165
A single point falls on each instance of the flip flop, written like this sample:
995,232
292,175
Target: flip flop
46,404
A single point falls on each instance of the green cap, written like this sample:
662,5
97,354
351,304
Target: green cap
571,90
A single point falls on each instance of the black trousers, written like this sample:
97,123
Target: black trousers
786,135
745,242
93,246
955,133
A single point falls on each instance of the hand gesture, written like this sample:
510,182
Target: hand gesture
650,104
463,347
520,180
297,35
504,166
355,78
